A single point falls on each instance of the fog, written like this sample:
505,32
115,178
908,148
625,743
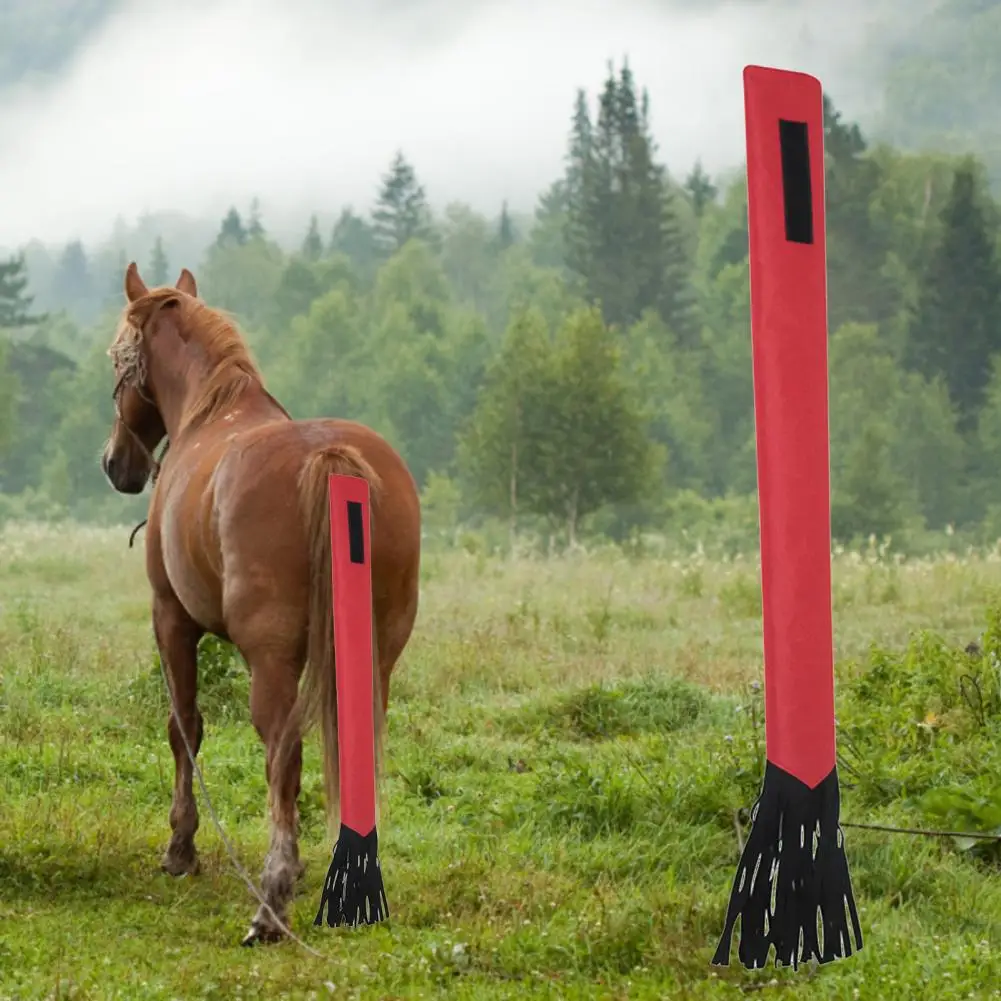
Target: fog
196,106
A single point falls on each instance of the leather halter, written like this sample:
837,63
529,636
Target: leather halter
116,396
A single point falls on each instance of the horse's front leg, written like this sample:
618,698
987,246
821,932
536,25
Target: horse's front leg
177,637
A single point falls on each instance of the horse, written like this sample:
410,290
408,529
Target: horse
238,546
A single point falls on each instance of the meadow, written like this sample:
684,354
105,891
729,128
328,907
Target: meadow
572,747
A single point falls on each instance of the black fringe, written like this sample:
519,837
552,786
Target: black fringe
353,893
794,853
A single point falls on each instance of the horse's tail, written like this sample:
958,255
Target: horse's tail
318,693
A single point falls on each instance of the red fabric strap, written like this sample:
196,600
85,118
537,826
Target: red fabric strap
788,276
350,539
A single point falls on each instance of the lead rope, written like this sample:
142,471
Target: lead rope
154,462
241,871
157,464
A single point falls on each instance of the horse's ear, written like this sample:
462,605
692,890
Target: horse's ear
135,287
186,283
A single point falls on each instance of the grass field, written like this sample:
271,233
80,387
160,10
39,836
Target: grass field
570,745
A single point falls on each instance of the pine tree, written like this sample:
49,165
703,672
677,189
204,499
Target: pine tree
312,245
505,229
255,229
112,295
548,234
159,266
957,330
856,250
578,197
677,301
401,212
843,141
353,236
660,257
623,233
607,242
15,303
73,281
700,189
232,230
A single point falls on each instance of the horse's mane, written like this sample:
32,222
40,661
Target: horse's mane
230,369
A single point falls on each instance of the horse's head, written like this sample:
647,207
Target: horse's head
127,459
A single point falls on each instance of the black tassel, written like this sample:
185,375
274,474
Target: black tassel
794,853
353,893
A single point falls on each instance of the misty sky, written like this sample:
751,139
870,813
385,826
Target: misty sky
194,106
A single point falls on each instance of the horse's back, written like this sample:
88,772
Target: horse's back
283,447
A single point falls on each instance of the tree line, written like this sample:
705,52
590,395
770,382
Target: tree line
584,370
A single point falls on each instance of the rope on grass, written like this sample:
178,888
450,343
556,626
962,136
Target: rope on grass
241,871
922,832
884,828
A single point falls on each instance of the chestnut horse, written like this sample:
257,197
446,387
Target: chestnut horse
238,545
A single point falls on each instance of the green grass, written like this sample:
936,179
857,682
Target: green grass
572,745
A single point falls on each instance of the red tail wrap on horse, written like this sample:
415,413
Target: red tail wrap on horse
795,848
353,892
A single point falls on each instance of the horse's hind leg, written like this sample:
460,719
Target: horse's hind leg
273,691
177,638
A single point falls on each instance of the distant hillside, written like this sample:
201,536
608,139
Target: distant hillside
921,74
37,37
942,83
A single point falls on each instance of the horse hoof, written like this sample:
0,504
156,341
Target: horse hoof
258,935
175,865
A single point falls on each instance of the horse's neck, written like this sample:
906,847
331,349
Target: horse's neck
275,404
251,404
255,404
